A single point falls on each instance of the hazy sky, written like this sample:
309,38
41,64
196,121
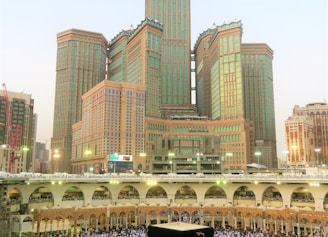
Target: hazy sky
296,30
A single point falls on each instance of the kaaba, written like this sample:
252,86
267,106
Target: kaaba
179,229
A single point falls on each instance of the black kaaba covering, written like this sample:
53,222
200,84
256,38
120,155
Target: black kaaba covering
179,229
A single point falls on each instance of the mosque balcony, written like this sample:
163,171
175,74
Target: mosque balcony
99,202
129,199
247,201
272,203
302,203
185,199
68,202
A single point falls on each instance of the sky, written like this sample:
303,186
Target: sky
296,30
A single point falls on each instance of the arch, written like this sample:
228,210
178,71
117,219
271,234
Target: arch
207,218
175,216
215,192
163,217
113,219
80,223
58,223
156,192
15,222
73,193
195,217
101,222
153,217
27,219
325,202
301,197
185,217
128,192
122,219
14,196
244,196
218,218
272,197
41,196
101,193
185,193
131,218
93,221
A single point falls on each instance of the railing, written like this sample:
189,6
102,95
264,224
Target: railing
73,198
185,197
40,200
215,196
128,197
287,178
100,197
244,197
303,200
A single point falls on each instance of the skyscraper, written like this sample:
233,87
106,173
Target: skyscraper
235,81
81,64
157,55
135,57
259,99
175,59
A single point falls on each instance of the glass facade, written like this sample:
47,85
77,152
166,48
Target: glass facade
175,58
81,64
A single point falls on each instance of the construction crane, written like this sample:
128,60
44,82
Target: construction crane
14,136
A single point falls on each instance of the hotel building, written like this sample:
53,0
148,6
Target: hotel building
307,135
113,115
175,49
234,81
81,64
157,55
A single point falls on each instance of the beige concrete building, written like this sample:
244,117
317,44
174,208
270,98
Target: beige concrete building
193,144
307,135
113,116
299,137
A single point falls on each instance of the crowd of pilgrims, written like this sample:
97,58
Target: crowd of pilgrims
141,231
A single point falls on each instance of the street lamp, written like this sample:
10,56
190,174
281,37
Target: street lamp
258,154
198,156
317,150
171,163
